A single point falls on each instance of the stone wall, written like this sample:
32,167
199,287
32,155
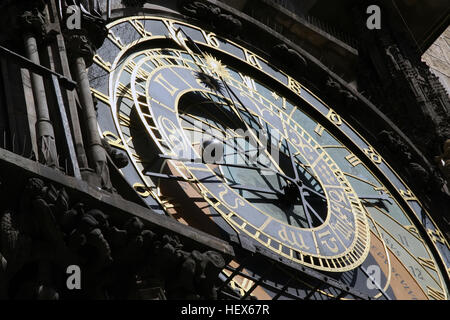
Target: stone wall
438,58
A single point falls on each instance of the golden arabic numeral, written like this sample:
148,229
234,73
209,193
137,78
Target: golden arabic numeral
211,39
413,231
373,155
142,190
435,293
334,117
407,195
436,235
294,85
252,59
114,140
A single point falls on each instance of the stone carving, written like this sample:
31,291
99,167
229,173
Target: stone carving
46,233
394,68
394,143
85,41
444,160
119,158
339,93
79,45
33,21
282,53
224,22
424,178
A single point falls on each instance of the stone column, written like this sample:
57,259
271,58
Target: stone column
33,25
81,46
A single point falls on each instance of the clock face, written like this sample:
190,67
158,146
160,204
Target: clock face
222,140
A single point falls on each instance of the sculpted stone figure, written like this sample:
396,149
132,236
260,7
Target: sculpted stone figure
46,233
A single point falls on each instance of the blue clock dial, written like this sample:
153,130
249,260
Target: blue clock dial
284,168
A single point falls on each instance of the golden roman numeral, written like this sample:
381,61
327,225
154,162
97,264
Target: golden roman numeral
124,120
435,294
353,160
140,28
166,84
117,41
319,129
130,66
101,96
177,37
427,263
141,73
248,81
124,91
102,63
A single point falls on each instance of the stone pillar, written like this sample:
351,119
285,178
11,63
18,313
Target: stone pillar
33,26
94,144
81,46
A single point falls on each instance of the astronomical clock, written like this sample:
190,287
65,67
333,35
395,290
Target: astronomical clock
220,139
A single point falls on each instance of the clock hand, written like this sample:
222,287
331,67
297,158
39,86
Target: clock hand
308,189
241,151
375,283
189,51
294,167
383,196
229,91
305,207
310,208
255,189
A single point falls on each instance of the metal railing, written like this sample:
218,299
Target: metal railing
57,80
